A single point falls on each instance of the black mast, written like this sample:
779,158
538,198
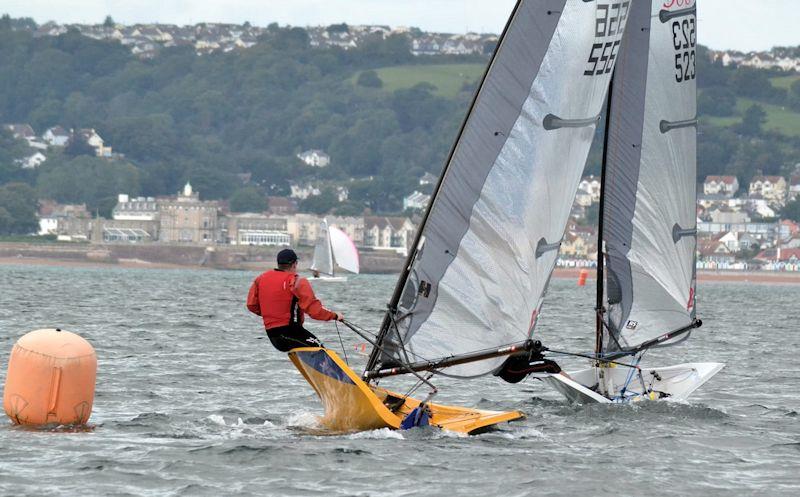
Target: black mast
401,282
598,347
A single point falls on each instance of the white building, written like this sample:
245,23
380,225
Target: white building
728,216
388,233
737,241
315,158
772,188
56,136
416,200
428,179
256,229
21,131
591,185
342,193
48,225
33,161
583,198
96,142
303,191
721,185
760,206
353,226
794,187
303,228
135,209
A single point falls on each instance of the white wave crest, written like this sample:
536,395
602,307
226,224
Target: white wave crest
382,434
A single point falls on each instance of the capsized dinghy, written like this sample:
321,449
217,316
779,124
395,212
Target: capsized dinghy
648,224
476,274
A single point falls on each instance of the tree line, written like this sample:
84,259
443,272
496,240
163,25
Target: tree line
206,119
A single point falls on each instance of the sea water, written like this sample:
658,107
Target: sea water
192,400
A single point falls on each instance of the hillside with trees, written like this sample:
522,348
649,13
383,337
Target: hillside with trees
214,118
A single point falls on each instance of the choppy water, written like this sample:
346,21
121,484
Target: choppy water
191,402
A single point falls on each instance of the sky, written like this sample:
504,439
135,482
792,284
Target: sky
723,24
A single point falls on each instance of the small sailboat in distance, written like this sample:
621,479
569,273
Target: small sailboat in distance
646,285
473,285
333,248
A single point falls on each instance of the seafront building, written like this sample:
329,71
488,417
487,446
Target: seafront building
254,229
186,219
732,230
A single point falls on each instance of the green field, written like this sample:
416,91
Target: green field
450,78
447,78
781,119
784,81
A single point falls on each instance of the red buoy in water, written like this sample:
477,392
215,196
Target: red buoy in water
582,277
50,380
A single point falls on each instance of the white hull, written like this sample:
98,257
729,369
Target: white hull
328,279
673,382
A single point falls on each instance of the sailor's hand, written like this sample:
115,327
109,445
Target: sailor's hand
339,316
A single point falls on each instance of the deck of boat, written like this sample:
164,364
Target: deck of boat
353,405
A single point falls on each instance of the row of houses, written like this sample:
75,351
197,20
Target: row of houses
186,219
783,58
764,197
145,40
773,189
57,137
751,246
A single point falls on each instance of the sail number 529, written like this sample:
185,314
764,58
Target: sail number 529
684,39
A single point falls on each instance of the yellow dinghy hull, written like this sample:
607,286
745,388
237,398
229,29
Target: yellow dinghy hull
352,405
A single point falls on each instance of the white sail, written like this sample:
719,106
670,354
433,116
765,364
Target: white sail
491,238
323,257
649,222
345,254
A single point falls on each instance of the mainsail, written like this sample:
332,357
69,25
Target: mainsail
345,253
649,220
323,257
487,247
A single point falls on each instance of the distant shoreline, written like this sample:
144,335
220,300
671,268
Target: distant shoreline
559,273
174,256
125,263
705,275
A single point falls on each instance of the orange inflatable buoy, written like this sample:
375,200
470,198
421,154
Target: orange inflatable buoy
51,377
582,277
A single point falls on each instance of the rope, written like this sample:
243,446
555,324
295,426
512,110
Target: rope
361,329
406,352
630,377
379,347
592,357
336,323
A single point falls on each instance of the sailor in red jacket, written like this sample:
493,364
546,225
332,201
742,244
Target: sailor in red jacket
281,297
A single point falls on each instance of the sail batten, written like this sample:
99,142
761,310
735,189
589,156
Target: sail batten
649,220
665,15
489,244
552,122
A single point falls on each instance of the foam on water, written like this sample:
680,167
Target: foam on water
382,434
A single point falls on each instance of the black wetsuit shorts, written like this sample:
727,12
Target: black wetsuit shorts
286,338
